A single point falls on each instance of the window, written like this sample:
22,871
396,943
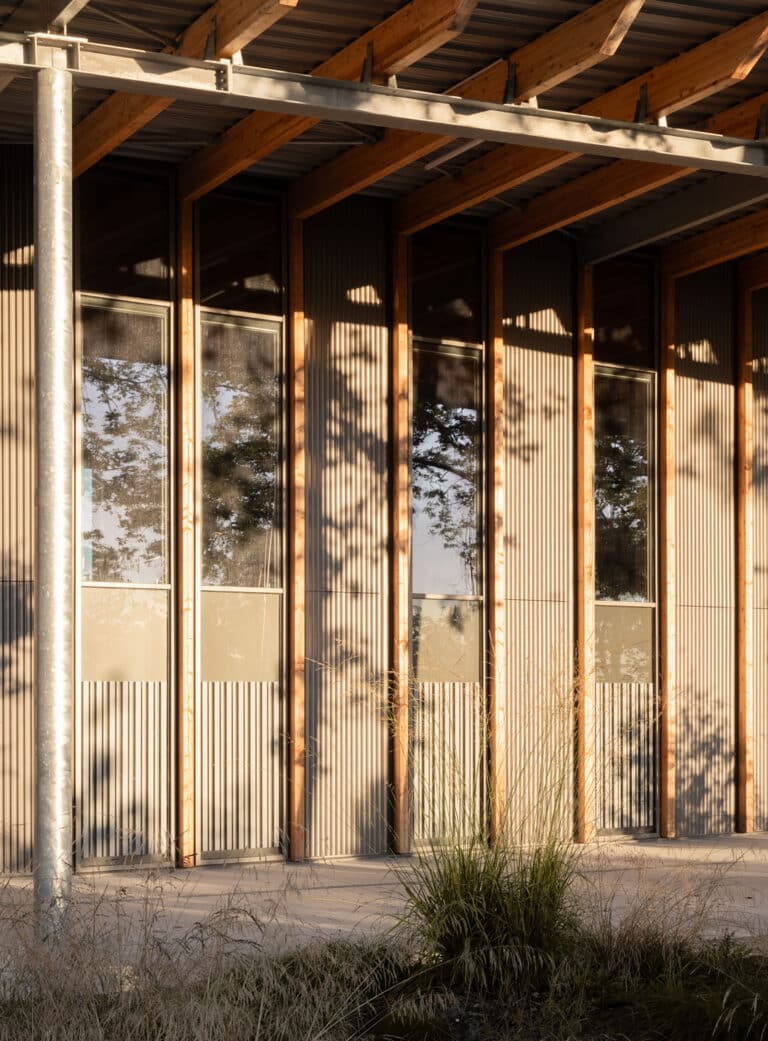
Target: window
241,492
446,488
241,452
624,509
125,404
125,490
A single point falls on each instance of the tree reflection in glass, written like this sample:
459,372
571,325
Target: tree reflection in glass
622,490
446,471
125,472
240,453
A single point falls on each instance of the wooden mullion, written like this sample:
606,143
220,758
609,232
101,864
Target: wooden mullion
667,563
296,546
400,561
745,798
585,566
497,686
186,577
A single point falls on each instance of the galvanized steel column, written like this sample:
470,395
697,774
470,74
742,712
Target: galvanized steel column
54,597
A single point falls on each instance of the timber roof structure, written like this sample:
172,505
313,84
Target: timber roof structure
690,64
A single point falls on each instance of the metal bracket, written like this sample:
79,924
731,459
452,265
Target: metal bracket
224,76
641,108
366,76
210,44
510,87
392,81
70,43
761,126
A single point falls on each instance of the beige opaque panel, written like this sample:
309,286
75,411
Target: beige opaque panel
240,636
446,644
624,643
125,634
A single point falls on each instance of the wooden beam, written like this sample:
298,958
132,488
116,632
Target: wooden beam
296,545
667,563
609,186
186,447
745,536
705,70
717,245
230,24
556,56
407,35
585,562
497,686
401,538
753,274
581,198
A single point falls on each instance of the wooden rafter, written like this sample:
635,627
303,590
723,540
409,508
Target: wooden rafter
609,186
703,71
556,56
717,245
402,39
229,24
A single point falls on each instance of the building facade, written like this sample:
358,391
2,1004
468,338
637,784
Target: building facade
406,507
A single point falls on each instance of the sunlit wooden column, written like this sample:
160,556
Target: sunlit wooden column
585,562
400,575
186,556
497,686
296,545
745,796
667,556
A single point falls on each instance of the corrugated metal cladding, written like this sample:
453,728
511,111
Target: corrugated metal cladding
123,787
625,757
448,761
705,402
16,509
239,752
539,448
347,351
760,587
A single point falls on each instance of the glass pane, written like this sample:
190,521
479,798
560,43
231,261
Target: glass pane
241,266
125,634
624,644
125,464
446,471
240,636
622,487
446,641
125,233
624,302
241,453
446,293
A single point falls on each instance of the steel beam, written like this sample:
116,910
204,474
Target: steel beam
54,565
684,211
238,86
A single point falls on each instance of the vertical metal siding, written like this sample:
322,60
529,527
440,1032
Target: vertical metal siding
760,519
625,730
448,761
346,281
122,765
539,378
705,403
16,510
239,754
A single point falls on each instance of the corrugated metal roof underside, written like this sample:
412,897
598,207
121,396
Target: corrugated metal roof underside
318,28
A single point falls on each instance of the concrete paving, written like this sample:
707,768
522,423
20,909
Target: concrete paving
721,882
